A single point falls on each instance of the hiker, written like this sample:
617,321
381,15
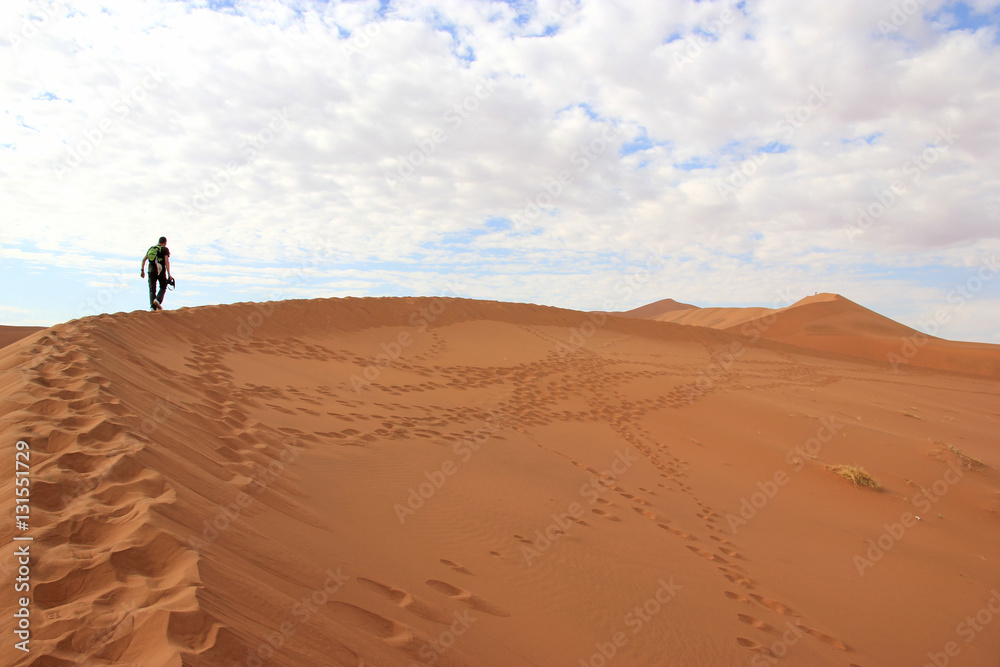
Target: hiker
158,257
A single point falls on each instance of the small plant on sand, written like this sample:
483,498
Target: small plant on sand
855,474
964,460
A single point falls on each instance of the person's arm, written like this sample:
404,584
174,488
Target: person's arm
142,269
166,263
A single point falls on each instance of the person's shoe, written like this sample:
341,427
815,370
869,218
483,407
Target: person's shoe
156,305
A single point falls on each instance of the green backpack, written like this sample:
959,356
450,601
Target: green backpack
153,254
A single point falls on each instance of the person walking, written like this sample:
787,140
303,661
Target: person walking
158,257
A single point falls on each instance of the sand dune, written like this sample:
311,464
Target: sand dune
716,318
655,310
9,334
832,323
453,482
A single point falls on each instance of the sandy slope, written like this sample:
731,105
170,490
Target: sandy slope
418,481
657,309
716,318
832,323
10,334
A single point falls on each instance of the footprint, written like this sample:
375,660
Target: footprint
708,556
455,566
822,636
469,598
645,513
774,605
380,626
757,623
606,515
404,600
737,578
677,531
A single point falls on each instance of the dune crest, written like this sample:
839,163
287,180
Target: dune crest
832,323
12,334
657,309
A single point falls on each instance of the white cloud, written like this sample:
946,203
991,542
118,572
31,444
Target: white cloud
260,134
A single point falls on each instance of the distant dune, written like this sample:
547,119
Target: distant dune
9,334
716,318
407,481
657,309
832,323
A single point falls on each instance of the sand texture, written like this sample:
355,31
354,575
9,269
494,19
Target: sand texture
11,334
405,481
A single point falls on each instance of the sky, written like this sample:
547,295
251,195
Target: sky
585,154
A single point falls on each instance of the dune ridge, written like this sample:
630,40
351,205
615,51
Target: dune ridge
455,482
12,334
657,309
832,323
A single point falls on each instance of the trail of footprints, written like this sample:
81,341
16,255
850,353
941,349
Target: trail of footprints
710,544
536,389
104,564
432,607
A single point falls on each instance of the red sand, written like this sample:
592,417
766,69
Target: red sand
832,323
9,334
419,481
657,309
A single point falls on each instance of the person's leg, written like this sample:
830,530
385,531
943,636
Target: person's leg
152,283
162,277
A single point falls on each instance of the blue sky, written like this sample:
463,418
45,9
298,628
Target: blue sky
572,153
